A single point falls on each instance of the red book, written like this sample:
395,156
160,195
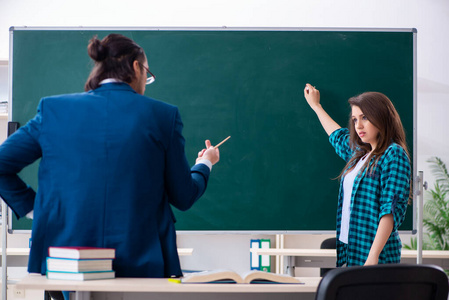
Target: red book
81,252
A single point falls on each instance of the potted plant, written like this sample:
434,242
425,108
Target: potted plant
436,210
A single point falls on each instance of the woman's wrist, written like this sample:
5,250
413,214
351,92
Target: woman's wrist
317,107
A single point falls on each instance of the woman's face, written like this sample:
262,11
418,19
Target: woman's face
367,132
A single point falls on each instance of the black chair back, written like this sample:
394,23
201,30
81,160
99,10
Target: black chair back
330,243
384,282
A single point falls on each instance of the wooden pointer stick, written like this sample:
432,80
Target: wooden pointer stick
219,144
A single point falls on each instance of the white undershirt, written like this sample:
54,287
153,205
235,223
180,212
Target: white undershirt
348,184
109,80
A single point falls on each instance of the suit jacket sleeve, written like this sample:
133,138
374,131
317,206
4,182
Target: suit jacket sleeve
184,185
18,151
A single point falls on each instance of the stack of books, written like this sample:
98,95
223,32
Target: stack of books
80,263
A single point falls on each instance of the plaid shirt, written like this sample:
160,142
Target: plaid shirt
385,190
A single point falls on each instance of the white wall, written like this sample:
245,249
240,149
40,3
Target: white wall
430,17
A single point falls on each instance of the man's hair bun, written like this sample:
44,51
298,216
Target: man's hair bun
96,50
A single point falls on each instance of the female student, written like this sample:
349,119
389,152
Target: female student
375,183
112,164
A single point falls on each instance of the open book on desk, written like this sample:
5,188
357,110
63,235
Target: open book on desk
228,276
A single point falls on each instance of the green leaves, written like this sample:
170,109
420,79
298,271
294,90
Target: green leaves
436,210
439,169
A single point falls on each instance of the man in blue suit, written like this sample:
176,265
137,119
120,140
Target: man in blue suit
112,162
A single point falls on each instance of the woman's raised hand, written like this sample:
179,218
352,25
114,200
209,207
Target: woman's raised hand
312,96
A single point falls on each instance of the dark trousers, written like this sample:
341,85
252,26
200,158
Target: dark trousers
54,295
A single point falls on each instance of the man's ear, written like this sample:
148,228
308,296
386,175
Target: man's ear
137,69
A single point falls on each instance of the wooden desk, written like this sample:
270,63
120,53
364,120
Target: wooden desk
161,288
319,258
18,257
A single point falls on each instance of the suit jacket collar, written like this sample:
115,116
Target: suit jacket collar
114,86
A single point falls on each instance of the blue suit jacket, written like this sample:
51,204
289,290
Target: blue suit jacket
112,162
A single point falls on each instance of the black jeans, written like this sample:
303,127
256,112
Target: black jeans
54,295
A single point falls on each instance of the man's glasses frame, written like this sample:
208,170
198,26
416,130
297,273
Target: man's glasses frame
151,78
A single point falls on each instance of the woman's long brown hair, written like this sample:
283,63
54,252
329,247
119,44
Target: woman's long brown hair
380,111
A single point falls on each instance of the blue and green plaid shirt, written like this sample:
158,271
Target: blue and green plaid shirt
383,191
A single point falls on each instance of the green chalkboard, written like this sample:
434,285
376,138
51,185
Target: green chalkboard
277,171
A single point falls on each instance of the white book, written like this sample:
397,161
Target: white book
78,265
228,276
80,276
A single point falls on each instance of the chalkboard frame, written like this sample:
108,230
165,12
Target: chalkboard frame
414,147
